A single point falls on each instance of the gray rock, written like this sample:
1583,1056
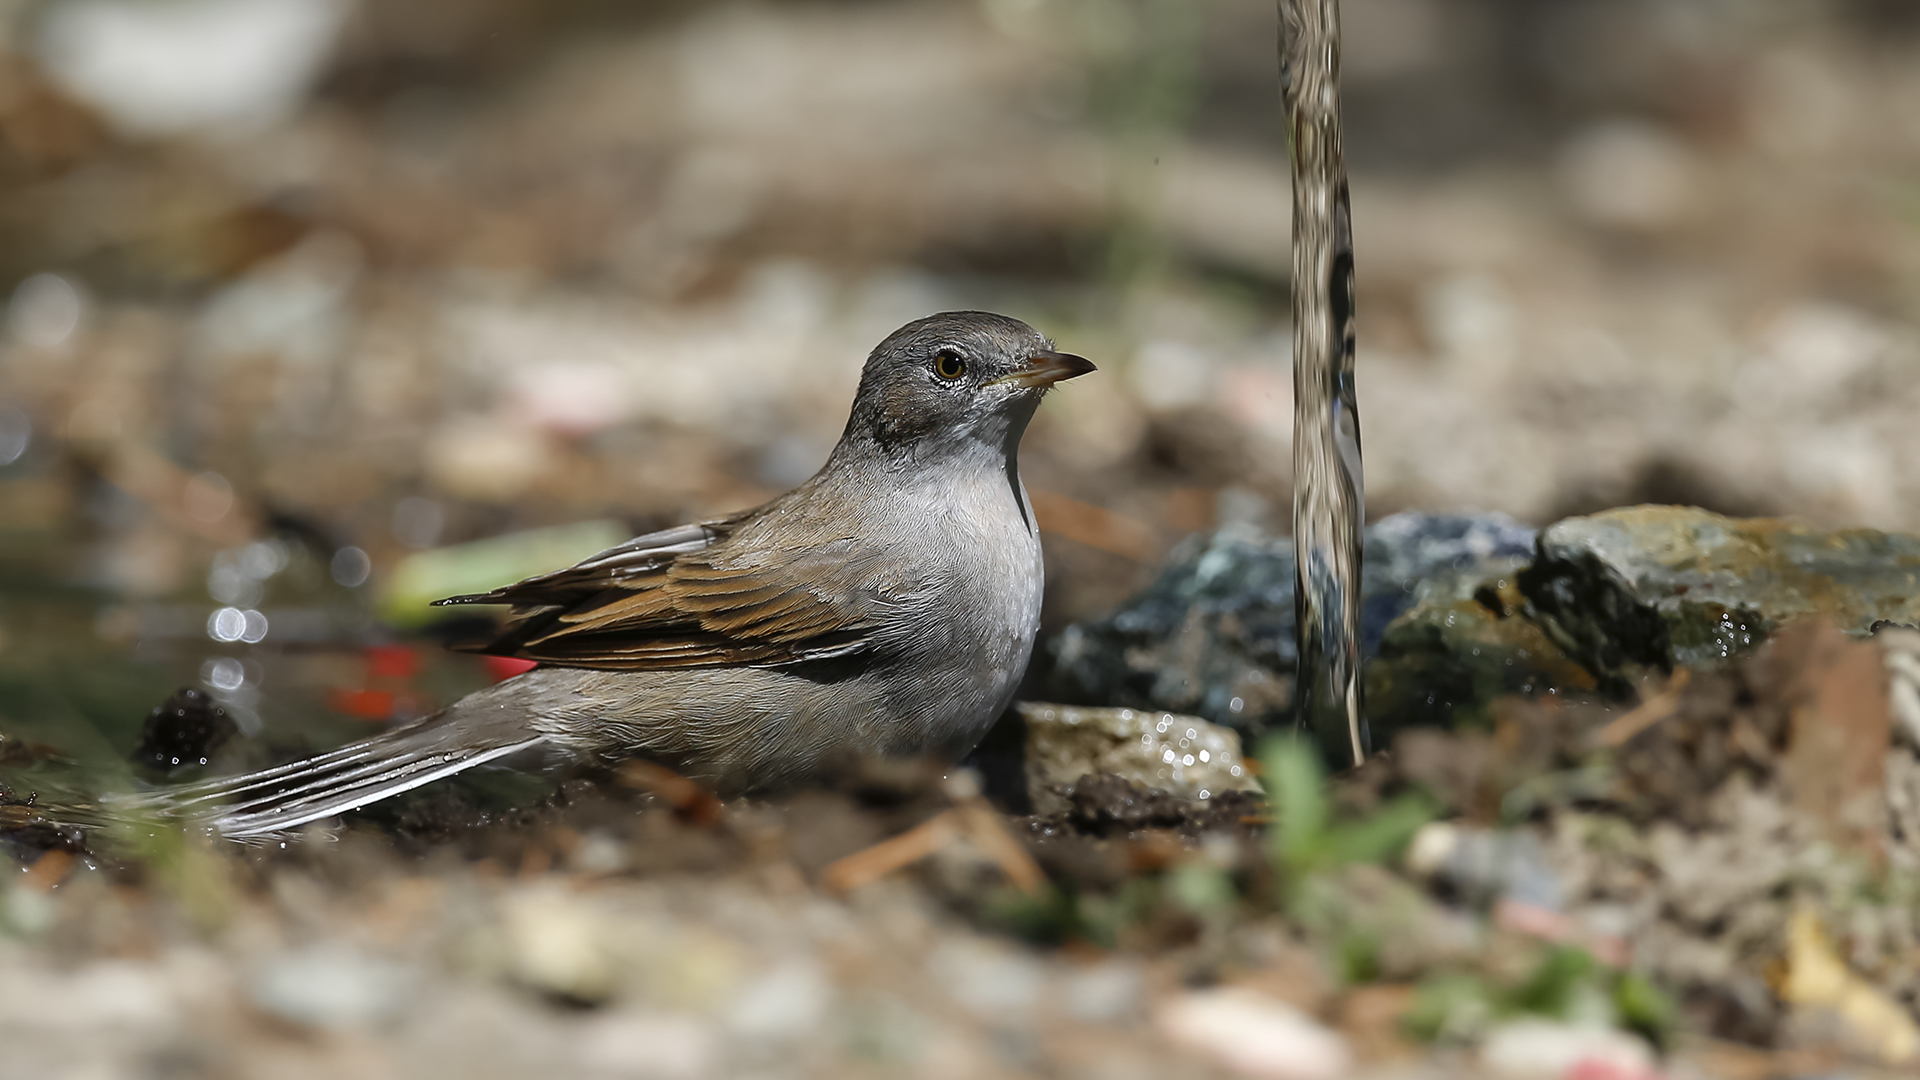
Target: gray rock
1181,755
1214,634
1659,587
1459,611
1486,864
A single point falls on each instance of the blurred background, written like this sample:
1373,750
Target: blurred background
305,296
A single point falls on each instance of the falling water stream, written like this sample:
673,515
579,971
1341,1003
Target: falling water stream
1328,493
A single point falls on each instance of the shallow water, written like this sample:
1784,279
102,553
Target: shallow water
83,663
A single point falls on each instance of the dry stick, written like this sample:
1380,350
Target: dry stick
873,863
1328,493
1643,716
972,818
691,801
989,831
1118,534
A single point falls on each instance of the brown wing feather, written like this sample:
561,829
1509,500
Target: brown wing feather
665,601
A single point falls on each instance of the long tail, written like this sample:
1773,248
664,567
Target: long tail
475,730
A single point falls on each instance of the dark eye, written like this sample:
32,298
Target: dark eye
948,365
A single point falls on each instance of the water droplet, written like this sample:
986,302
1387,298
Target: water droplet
225,673
45,310
16,432
351,567
207,497
417,521
226,624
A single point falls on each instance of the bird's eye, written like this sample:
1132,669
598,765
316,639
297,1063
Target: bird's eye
948,365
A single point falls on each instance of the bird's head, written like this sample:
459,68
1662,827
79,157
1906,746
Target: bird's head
954,381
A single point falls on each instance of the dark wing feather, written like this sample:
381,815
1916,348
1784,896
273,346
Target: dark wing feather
688,597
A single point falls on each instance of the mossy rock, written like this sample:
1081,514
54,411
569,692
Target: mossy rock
1660,587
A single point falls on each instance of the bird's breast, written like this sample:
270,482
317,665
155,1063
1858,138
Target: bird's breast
979,555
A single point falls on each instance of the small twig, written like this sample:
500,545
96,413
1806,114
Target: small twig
1094,526
1648,713
971,818
873,863
688,798
1546,924
987,830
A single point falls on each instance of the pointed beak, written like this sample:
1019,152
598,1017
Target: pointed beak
1044,369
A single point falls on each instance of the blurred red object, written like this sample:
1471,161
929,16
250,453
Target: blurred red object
392,662
1602,1069
365,704
503,668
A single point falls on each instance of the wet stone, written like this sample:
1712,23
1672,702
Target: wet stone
1106,805
1660,587
1463,644
1214,634
183,731
1182,755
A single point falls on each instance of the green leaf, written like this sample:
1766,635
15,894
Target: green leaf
1204,890
1644,1007
1382,834
421,578
1296,790
1449,1007
1555,985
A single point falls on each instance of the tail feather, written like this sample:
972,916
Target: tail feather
327,792
260,804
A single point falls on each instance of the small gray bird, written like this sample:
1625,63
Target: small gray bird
886,606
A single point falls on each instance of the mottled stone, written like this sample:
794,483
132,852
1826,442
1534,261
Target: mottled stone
1214,634
1660,587
1181,755
1459,611
1464,643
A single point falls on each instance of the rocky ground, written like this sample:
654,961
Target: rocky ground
413,299
1709,870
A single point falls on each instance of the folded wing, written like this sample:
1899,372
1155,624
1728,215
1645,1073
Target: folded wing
694,596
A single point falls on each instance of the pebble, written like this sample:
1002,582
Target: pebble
1550,1050
333,989
559,944
1105,993
991,981
783,1005
156,70
668,1046
1253,1034
1486,864
1902,649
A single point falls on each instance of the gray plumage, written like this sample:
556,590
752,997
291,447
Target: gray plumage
885,606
